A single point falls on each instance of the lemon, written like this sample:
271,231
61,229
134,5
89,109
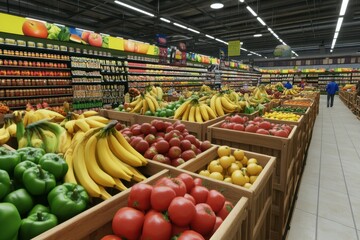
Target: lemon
217,176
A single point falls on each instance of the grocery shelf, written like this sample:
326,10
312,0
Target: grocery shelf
24,76
37,96
42,68
85,83
34,58
42,86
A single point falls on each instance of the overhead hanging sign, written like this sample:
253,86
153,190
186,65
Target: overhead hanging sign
234,48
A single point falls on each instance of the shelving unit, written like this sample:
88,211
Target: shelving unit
237,78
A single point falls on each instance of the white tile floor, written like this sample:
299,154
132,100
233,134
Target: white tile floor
328,204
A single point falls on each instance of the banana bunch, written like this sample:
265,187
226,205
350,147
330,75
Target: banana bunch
44,134
144,103
290,92
156,92
40,114
84,123
102,158
221,104
205,88
4,135
193,110
10,125
260,92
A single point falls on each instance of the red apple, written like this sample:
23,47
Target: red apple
150,138
191,138
169,129
142,146
150,153
153,130
34,28
174,152
185,145
180,127
136,130
159,125
175,142
230,125
188,154
95,40
205,145
162,146
162,159
135,140
145,128
176,162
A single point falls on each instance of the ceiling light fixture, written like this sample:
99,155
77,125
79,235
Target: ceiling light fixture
134,8
339,23
336,34
343,7
261,21
258,35
241,1
209,36
165,20
34,19
193,30
244,49
180,25
251,11
249,54
270,30
217,5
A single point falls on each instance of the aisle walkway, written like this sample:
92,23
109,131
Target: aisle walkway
328,204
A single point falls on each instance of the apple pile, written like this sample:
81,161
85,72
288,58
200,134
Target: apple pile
257,125
164,142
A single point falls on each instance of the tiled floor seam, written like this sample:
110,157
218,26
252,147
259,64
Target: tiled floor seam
346,187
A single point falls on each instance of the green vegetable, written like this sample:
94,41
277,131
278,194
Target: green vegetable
36,224
8,159
64,34
5,184
68,200
10,221
105,42
20,169
249,110
21,199
149,113
53,31
260,108
31,154
38,181
54,164
39,208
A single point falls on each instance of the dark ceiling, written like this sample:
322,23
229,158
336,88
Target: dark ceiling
306,25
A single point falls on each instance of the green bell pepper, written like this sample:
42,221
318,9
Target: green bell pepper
38,181
8,159
68,200
21,199
36,224
54,164
10,221
20,169
5,184
39,208
31,154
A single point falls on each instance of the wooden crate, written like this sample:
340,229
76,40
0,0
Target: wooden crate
7,147
279,147
124,117
250,116
94,223
259,195
199,130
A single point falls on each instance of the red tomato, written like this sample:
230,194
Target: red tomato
176,230
225,210
181,211
198,181
204,219
161,197
189,197
265,125
200,194
281,133
175,183
188,180
111,237
156,226
139,196
190,235
128,222
215,200
263,131
251,128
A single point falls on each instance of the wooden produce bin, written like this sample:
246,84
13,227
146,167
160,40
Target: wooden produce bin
284,151
95,223
250,116
199,130
124,117
259,195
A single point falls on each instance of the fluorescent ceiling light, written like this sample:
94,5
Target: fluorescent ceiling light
180,25
270,30
331,50
193,30
217,5
339,23
265,57
34,19
343,7
219,40
251,11
244,49
164,20
209,36
249,54
241,1
258,35
134,8
275,35
261,21
333,43
336,34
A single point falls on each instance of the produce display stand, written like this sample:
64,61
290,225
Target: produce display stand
95,223
199,130
251,116
259,195
124,117
283,150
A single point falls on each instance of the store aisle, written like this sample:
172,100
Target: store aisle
328,204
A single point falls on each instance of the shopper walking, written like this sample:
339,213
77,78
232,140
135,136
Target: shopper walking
288,85
331,89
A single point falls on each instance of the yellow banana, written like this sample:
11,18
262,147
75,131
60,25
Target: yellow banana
145,107
128,147
179,112
121,153
119,185
198,117
204,112
155,102
218,107
51,114
150,104
65,142
81,172
36,140
70,175
104,194
137,108
213,104
99,119
90,113
135,102
50,140
185,115
93,123
12,129
160,93
230,107
210,111
4,135
83,125
69,126
192,114
137,176
95,172
109,162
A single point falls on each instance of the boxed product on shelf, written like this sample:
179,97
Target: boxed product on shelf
83,225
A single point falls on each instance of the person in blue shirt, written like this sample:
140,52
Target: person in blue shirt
331,89
288,85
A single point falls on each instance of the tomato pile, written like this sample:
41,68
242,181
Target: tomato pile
174,207
257,125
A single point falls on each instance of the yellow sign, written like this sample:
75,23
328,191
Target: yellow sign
11,24
234,48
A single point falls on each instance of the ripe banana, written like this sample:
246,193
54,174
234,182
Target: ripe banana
198,117
211,112
4,135
137,107
121,153
179,112
45,113
90,113
227,106
104,194
70,175
135,102
83,125
69,126
150,103
192,114
93,123
218,107
99,119
64,142
36,140
185,115
119,185
204,112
